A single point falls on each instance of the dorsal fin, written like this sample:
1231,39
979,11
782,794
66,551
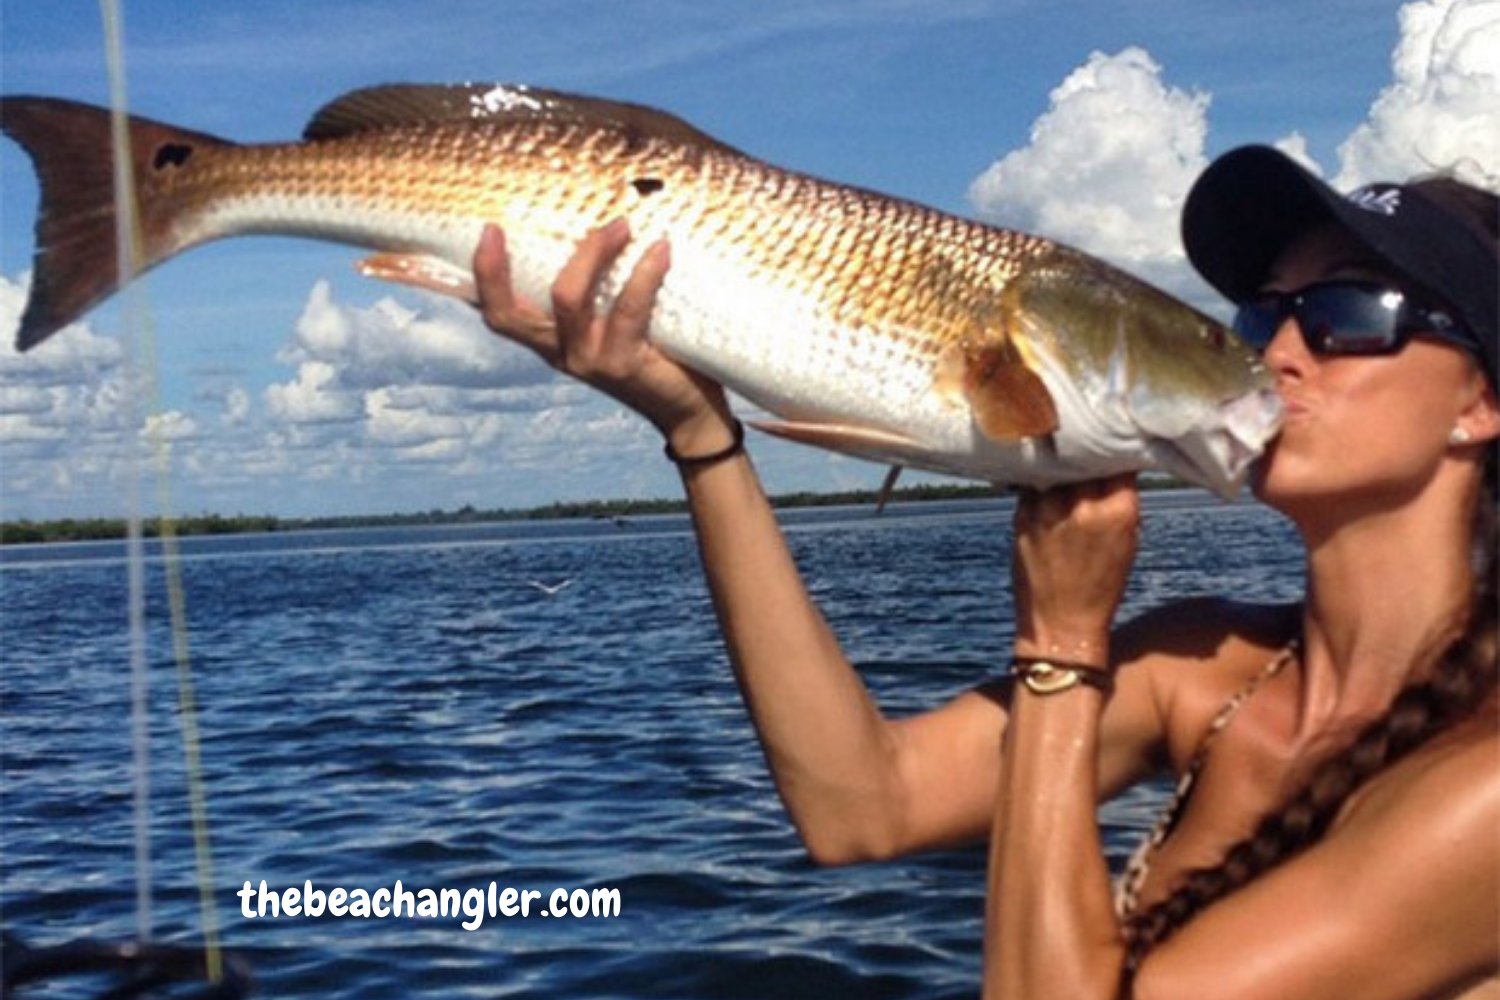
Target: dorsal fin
404,104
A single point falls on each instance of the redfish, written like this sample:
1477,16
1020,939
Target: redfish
866,324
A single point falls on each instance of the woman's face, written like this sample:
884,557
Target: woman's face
1374,428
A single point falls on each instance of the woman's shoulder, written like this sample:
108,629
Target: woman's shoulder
1207,635
1419,839
1196,655
1450,778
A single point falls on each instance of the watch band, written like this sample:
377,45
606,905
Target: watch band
1045,676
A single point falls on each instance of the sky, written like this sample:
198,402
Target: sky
284,384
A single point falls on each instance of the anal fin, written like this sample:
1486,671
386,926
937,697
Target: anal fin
430,274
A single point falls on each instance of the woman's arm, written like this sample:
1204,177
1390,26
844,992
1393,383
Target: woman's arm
856,785
1051,929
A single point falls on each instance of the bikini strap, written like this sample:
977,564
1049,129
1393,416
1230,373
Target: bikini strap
1127,890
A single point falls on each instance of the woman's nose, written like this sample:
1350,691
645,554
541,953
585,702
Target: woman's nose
1287,351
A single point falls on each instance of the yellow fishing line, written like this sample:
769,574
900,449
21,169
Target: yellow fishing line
136,317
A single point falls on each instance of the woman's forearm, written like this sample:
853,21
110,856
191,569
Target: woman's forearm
830,750
1050,927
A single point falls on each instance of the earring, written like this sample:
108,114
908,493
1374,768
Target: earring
1460,435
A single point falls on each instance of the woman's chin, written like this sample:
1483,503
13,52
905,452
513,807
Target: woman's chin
1276,483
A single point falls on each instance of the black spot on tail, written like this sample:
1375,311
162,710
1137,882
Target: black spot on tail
648,185
172,154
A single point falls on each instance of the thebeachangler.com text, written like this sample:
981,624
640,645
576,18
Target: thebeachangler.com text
397,901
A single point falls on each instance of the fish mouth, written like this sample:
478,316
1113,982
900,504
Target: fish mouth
1220,456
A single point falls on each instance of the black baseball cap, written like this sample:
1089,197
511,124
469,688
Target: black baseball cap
1253,202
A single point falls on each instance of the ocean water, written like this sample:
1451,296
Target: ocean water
404,704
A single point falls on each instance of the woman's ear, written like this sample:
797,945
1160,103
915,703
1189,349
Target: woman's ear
1479,422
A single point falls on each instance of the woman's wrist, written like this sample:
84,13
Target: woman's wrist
712,435
702,460
1082,649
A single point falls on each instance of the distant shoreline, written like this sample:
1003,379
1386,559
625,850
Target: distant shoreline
27,532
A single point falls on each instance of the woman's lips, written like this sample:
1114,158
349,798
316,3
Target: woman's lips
1293,406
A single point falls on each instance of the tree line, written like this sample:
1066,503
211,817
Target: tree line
107,528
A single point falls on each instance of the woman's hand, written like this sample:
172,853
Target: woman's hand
612,352
1074,549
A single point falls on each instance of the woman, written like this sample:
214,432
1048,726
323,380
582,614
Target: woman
1341,837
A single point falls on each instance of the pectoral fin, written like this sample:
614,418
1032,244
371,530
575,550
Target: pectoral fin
1009,400
430,274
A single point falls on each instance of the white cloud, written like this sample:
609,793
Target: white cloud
429,385
1108,163
1111,159
1441,110
63,413
24,399
1295,146
169,426
416,384
389,343
314,397
426,397
407,419
400,407
236,406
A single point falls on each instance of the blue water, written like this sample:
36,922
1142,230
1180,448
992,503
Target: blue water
390,704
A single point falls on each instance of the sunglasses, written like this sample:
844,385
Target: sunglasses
1348,317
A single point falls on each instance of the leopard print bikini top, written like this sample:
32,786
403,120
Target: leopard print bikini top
1128,888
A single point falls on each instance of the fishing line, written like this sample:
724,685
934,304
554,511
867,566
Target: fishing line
136,321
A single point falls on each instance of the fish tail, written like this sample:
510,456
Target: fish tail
77,257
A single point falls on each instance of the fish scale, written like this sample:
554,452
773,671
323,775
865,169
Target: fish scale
866,324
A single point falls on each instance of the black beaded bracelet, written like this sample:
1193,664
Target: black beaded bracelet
700,461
